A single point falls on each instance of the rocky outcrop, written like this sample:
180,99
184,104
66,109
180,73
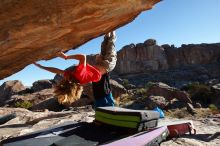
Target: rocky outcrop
148,56
9,88
169,93
40,100
34,30
156,101
41,84
142,57
192,54
117,89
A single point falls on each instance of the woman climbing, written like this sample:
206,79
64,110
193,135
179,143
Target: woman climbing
69,89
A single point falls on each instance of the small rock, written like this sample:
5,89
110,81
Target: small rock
198,105
150,42
190,108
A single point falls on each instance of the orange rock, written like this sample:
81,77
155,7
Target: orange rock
33,30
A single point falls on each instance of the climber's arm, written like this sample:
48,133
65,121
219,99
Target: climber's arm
50,69
80,57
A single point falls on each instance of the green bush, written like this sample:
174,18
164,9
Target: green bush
125,82
149,84
213,107
141,91
24,104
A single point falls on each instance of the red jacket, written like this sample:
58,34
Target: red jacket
85,74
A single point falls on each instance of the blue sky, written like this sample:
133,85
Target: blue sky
169,22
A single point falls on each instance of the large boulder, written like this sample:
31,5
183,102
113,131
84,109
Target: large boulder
169,93
156,101
9,88
117,89
33,30
41,84
40,100
150,42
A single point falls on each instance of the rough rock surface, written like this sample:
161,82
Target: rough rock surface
193,54
141,58
169,93
33,30
41,100
27,122
156,101
9,88
41,84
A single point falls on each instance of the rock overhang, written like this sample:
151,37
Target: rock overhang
33,30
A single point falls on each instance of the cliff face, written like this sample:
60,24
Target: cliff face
32,30
141,57
148,56
192,54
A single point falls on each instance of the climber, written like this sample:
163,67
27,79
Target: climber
102,90
70,88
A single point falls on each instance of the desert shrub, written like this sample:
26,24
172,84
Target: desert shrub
125,82
200,93
213,107
23,104
177,113
141,91
149,84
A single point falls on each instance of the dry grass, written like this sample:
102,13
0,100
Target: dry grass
183,113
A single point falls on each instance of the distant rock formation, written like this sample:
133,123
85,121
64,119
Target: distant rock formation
192,54
141,58
149,56
33,30
176,67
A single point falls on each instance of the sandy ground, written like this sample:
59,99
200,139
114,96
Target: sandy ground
208,128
